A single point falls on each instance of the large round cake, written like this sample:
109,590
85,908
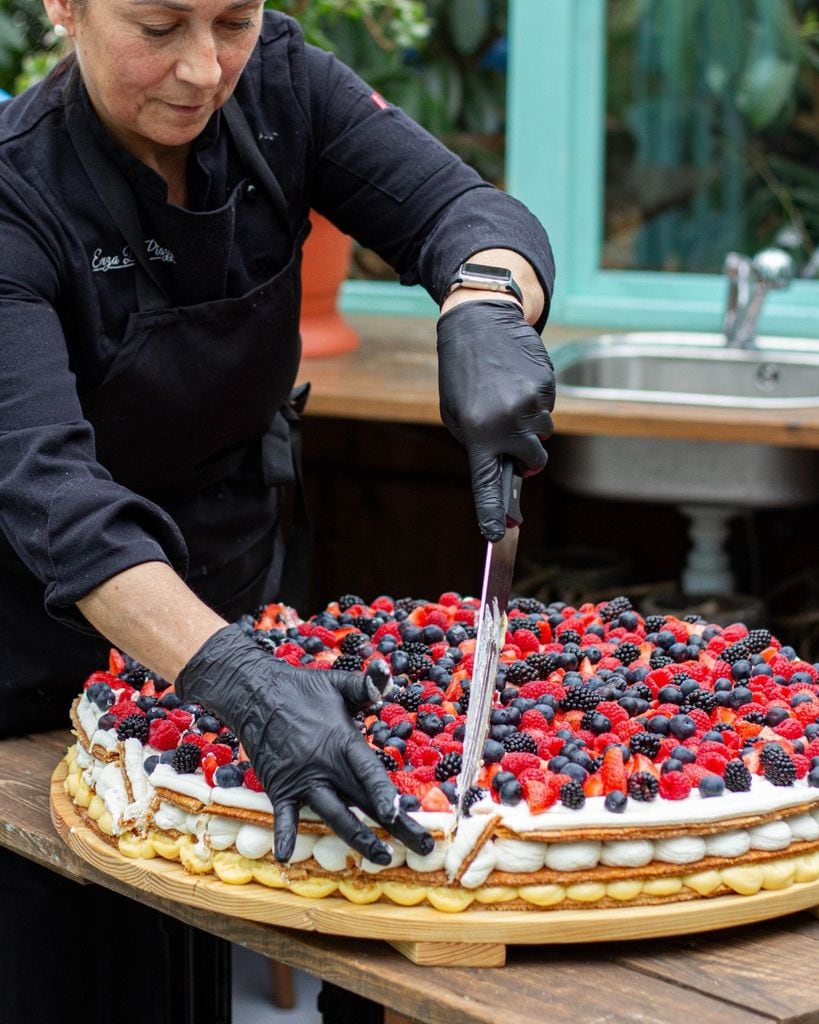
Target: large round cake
629,761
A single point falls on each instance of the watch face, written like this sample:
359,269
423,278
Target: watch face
502,274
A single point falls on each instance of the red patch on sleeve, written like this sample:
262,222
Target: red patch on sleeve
379,100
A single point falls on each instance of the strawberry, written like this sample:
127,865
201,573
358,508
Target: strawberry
593,785
642,763
116,662
540,795
613,772
209,766
435,800
251,781
163,735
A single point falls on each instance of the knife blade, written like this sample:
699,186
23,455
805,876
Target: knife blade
499,567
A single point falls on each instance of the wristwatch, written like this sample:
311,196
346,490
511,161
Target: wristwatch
485,278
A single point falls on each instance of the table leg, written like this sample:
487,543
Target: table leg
394,1017
281,985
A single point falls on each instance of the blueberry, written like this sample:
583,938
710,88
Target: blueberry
762,669
633,705
409,802
167,756
660,725
456,635
459,732
741,669
688,686
493,751
741,695
679,652
629,621
100,694
432,634
811,731
800,679
410,633
513,716
813,777
145,703
800,698
508,694
616,802
510,792
386,645
711,785
723,683
787,652
396,743
434,698
449,790
666,639
558,763
594,654
599,724
170,701
403,730
670,695
671,764
684,754
399,662
575,771
499,778
498,716
682,726
106,721
710,632
207,723
776,715
546,700
429,723
567,660
228,776
155,712
713,736
150,763
500,732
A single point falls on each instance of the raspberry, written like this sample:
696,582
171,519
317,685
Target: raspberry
526,640
695,773
533,719
700,718
327,637
424,773
163,735
251,781
404,782
195,738
531,691
801,764
392,714
181,719
125,708
789,728
516,762
674,786
221,751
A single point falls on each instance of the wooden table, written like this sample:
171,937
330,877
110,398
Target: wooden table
760,974
392,376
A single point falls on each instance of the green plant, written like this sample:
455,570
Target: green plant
713,130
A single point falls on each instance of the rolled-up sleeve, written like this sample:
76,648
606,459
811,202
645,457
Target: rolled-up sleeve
395,188
68,521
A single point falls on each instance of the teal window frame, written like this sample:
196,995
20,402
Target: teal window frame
555,161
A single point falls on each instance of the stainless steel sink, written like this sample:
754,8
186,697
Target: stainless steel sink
709,481
690,369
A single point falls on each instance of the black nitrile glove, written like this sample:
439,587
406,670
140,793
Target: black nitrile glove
296,726
497,388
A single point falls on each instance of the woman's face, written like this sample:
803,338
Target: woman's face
157,69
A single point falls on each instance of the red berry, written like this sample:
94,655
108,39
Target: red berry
674,786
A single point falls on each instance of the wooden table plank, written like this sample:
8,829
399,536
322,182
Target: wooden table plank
393,377
664,982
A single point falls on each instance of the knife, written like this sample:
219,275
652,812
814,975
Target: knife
498,569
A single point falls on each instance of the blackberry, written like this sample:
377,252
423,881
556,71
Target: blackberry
363,623
520,743
641,691
136,677
407,604
627,652
348,600
654,623
659,660
411,698
595,764
472,796
418,665
647,743
543,664
527,605
230,738
135,726
757,640
580,698
449,765
777,767
738,651
614,607
351,643
755,717
415,647
386,759
737,778
185,759
694,619
471,631
519,622
348,663
520,672
572,795
705,699
643,786
569,636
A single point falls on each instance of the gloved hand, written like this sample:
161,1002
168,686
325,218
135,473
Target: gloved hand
497,388
296,726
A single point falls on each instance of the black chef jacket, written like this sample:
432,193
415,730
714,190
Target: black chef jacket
67,287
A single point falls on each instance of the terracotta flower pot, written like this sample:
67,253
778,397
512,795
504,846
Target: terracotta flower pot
326,260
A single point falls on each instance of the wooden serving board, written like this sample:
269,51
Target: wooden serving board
474,938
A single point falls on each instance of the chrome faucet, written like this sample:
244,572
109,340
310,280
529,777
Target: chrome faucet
749,281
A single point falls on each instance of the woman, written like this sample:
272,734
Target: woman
155,193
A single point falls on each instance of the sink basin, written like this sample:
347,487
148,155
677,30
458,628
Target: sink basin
690,369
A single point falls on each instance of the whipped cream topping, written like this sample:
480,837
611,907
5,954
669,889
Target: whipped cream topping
728,844
576,856
627,853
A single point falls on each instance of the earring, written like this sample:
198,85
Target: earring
60,31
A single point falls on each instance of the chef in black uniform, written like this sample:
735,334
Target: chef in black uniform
155,192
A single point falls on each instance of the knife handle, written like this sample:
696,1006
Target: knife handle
511,483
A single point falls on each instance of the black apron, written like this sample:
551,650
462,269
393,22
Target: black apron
194,414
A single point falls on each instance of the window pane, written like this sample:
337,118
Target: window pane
712,131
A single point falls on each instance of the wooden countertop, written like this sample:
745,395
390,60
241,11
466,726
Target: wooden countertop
392,376
752,975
